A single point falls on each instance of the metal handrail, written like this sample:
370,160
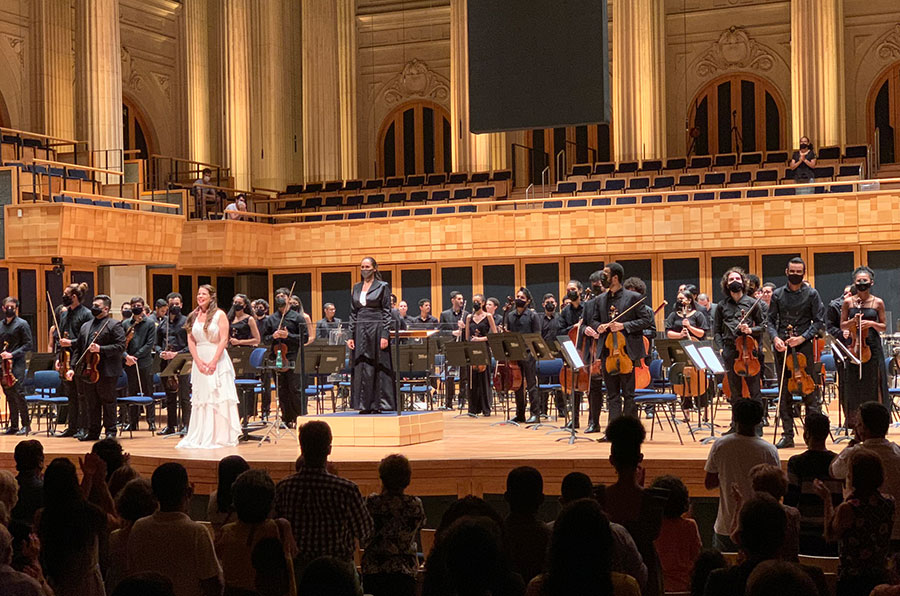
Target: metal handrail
545,179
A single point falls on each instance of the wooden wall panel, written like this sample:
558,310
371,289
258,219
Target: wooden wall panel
218,244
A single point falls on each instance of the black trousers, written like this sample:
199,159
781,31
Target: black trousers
133,372
620,395
292,395
812,400
595,399
101,400
529,386
15,397
174,398
450,388
75,413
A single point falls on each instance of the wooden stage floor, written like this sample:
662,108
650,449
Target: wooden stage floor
472,458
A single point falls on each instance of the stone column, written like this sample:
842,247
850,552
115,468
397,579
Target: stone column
638,79
347,51
236,47
53,67
98,78
271,124
817,72
471,152
195,29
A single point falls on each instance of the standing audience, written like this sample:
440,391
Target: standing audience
525,537
771,480
220,511
12,582
29,458
678,544
134,502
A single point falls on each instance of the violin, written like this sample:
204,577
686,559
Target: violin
279,347
617,360
65,354
8,379
858,346
507,374
91,371
642,371
799,382
746,363
129,335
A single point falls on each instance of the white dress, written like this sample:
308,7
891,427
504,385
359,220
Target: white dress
214,402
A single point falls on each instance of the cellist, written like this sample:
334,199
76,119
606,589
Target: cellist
631,322
737,316
795,305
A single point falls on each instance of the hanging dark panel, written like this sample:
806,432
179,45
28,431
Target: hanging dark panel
542,278
748,116
675,273
774,266
186,289
409,142
390,156
886,265
302,287
718,267
336,289
453,279
642,268
499,281
833,271
28,299
428,139
723,118
416,284
162,286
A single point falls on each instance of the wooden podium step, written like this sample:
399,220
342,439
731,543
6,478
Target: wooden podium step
350,429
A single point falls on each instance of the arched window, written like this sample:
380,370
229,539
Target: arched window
415,139
883,115
737,113
135,132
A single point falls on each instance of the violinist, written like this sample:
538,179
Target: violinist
140,339
491,306
454,320
523,319
478,325
159,314
864,314
15,342
71,318
288,326
636,284
833,326
616,302
686,321
104,337
243,331
171,340
549,319
736,316
587,345
572,312
795,316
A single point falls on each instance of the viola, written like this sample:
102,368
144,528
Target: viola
91,371
642,371
746,363
799,382
8,379
858,346
582,378
617,360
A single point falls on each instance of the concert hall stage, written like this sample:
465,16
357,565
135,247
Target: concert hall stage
473,457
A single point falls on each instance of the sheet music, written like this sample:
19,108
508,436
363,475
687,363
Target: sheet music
711,360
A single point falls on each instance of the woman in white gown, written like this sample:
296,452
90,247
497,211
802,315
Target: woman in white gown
214,402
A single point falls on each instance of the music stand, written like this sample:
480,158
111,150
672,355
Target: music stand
703,356
179,366
846,357
275,426
464,354
675,358
573,360
541,351
398,334
322,360
507,347
412,362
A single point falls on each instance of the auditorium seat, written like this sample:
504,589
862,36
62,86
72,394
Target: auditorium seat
467,209
356,215
576,203
724,161
675,165
756,193
415,180
292,206
750,161
393,182
765,177
435,179
565,188
333,202
851,172
730,194
334,216
604,169
713,179
580,170
776,158
699,163
785,191
400,213
377,214
374,199
828,153
121,205
373,184
458,178
676,198
480,178
590,187
840,188
62,199
629,200
613,185
651,199
102,203
439,195
739,178
396,197
418,196
293,189
704,196
651,165
638,184
663,182
824,172
353,201
462,194
601,202
312,187
333,186
352,185
312,218
484,192
855,152
445,210
552,204
423,211
626,167
312,203
688,181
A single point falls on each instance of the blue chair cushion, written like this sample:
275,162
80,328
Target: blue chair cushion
136,400
655,398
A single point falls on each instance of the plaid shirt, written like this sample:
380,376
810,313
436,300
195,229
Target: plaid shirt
327,513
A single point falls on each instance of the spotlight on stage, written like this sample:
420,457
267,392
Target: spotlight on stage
58,266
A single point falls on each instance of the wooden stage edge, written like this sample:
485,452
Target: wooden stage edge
473,457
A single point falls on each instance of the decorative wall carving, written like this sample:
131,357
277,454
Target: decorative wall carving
164,83
18,45
416,81
735,49
889,46
131,78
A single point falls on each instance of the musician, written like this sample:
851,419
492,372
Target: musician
766,292
571,313
549,319
297,307
261,314
102,335
737,316
159,315
243,332
403,309
491,306
15,341
704,301
140,340
871,383
454,320
595,386
686,321
753,286
286,325
523,319
171,340
796,305
619,387
75,315
425,320
478,325
325,325
636,284
833,326
370,326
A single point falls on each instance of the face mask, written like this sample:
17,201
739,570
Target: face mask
572,294
549,307
66,300
206,179
367,273
862,286
137,312
10,312
295,307
237,307
280,302
476,306
735,286
174,310
596,290
795,279
96,311
126,314
520,303
260,312
605,281
804,146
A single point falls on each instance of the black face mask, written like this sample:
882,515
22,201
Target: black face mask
126,314
804,146
795,279
572,294
66,300
260,312
862,286
174,310
735,286
605,281
549,306
136,312
237,307
520,303
476,306
10,311
280,302
295,307
596,290
96,311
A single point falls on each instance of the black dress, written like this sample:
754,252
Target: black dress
480,394
247,406
697,319
241,329
372,387
873,384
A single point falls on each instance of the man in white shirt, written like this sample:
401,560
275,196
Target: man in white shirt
729,462
235,210
169,543
871,430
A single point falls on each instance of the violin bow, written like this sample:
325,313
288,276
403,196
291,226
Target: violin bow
621,314
288,307
53,312
741,322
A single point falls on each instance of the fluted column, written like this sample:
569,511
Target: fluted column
638,79
196,54
236,46
53,64
347,50
271,100
817,71
98,77
471,152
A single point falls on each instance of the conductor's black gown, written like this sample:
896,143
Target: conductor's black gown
373,381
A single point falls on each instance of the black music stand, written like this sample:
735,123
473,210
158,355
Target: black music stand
412,362
507,347
541,350
179,366
465,354
572,358
240,361
674,358
275,426
397,335
841,354
322,360
703,356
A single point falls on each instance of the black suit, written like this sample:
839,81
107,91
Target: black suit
101,396
75,414
16,334
291,385
140,379
171,336
449,321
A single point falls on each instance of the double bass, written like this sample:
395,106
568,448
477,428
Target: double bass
507,374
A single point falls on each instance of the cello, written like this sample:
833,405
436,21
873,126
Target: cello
642,376
582,378
507,374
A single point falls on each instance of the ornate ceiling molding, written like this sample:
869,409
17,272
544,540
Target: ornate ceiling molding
888,47
416,81
735,49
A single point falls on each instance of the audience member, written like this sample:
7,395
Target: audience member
145,584
168,542
26,550
135,501
861,524
803,470
679,541
627,503
707,561
9,494
625,555
220,511
468,506
29,457
780,577
771,480
120,478
73,534
112,453
329,576
253,493
327,513
390,563
580,560
94,487
874,420
12,582
525,537
729,462
274,573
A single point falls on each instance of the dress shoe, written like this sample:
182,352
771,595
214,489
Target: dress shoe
533,420
69,432
130,427
518,419
81,433
24,431
111,434
591,428
365,412
89,437
375,412
785,443
151,426
12,430
445,409
167,431
603,439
